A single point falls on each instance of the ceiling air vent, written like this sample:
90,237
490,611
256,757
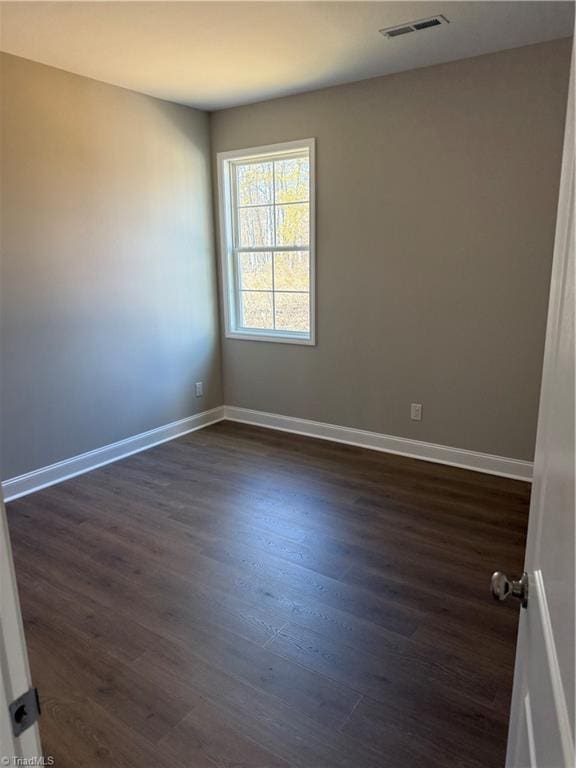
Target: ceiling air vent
414,26
397,31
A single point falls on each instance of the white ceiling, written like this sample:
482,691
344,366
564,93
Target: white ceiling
219,54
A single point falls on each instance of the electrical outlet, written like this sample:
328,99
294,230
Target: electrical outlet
199,388
416,411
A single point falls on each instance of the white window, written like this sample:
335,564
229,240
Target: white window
267,242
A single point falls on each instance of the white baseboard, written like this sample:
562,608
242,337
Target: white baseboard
441,454
85,462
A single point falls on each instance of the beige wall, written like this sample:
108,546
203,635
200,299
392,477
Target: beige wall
436,197
108,303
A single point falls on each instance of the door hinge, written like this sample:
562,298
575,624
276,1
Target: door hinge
24,711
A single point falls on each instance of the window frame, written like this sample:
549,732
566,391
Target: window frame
228,270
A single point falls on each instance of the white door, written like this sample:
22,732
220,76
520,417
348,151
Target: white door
14,670
542,718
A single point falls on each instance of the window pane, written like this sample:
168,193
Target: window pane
292,224
292,180
256,271
292,311
254,183
256,311
256,226
292,271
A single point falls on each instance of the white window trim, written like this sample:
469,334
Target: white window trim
226,255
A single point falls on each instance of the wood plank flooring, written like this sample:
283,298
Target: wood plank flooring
243,598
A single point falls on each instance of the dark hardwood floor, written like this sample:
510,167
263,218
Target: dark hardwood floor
243,598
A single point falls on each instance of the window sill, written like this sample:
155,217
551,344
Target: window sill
277,338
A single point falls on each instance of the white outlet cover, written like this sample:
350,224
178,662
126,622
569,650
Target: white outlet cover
416,411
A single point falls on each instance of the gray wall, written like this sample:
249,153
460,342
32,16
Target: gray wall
108,300
436,199
436,203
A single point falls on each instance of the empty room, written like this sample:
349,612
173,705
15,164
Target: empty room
287,384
